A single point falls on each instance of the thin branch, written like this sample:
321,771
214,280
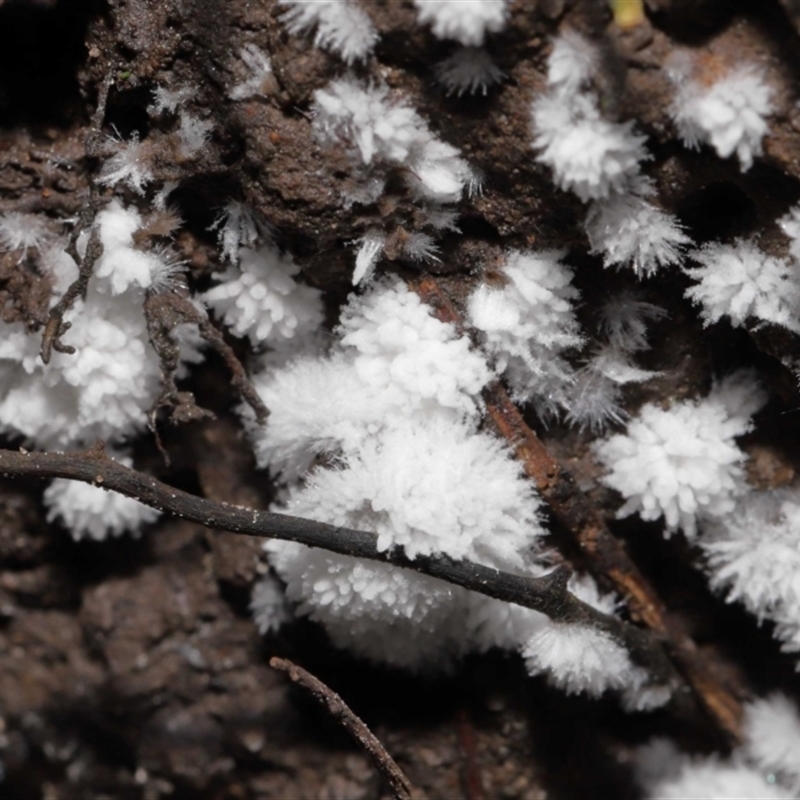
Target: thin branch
55,327
398,783
606,554
547,595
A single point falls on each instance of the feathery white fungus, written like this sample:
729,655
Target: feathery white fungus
628,230
468,71
739,281
772,738
683,462
467,23
729,114
260,298
92,512
341,26
528,321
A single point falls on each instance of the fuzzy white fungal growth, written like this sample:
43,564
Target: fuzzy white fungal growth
623,321
268,605
341,26
367,256
121,264
105,388
739,281
260,298
166,101
772,738
472,504
395,359
588,154
237,225
193,134
379,129
130,165
730,114
259,81
468,71
628,230
528,321
468,23
683,462
92,512
712,779
579,659
594,399
400,419
752,555
24,232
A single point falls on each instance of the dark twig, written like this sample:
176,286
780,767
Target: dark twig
398,783
548,594
164,312
606,554
55,327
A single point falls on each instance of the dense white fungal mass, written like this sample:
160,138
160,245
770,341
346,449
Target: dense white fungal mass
527,322
340,26
729,114
683,463
93,512
468,23
739,281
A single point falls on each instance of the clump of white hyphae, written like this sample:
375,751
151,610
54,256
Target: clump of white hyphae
20,231
600,161
753,555
260,298
627,229
527,322
384,131
683,462
419,246
667,774
589,155
468,70
467,23
268,604
130,165
772,739
341,26
739,281
398,452
766,765
91,512
581,659
729,113
260,80
105,388
594,399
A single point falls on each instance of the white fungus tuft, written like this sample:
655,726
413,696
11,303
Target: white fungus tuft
729,114
469,70
91,512
341,26
740,281
683,462
260,298
467,23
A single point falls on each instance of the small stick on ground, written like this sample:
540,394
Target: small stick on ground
398,783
